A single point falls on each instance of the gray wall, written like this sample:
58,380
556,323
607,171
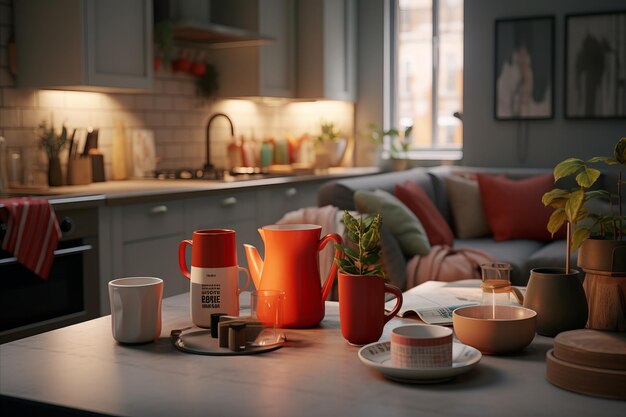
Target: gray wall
488,142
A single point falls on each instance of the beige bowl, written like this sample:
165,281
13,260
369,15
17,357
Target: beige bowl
513,328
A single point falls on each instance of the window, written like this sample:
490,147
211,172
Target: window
428,76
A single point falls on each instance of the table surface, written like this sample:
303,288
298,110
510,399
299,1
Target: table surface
317,374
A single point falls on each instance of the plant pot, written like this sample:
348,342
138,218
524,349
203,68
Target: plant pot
55,175
558,298
604,262
362,307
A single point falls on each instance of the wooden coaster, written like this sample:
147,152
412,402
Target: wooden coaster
593,348
584,379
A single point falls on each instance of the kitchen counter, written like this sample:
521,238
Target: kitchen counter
149,189
81,367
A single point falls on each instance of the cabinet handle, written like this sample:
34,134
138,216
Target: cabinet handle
229,201
158,209
290,192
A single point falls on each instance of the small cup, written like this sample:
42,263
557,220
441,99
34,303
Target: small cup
136,309
267,306
421,346
496,283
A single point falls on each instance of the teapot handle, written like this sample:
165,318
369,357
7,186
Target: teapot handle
328,283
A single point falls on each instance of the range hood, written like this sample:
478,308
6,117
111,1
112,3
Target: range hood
216,24
216,35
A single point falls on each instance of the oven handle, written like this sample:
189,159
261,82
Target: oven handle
58,252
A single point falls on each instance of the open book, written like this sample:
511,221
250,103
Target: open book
434,301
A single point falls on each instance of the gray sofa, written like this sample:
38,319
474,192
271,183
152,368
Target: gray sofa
523,255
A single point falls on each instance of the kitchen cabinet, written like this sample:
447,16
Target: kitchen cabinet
267,70
142,240
326,49
275,202
86,45
236,210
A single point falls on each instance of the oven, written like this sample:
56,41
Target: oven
30,305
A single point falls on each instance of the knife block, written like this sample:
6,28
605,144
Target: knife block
79,171
97,167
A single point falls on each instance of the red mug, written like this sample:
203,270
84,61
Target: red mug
362,307
214,274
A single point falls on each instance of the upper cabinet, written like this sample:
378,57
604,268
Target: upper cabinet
86,45
326,49
267,70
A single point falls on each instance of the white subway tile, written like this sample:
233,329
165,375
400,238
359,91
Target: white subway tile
154,120
31,118
83,100
173,151
10,118
163,103
144,102
19,97
51,98
124,102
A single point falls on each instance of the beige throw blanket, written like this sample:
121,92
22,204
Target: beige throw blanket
444,263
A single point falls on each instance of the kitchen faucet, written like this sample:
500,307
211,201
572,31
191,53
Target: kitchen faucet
208,166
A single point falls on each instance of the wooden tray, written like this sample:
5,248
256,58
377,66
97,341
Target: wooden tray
585,379
593,348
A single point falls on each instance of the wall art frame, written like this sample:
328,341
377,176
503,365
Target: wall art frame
524,68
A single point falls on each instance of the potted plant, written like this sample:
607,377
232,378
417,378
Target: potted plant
400,143
52,143
362,285
598,235
331,145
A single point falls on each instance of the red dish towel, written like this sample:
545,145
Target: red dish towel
32,233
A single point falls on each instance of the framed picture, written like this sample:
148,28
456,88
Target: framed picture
524,68
595,66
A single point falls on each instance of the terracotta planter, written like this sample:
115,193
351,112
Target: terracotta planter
362,307
604,262
558,298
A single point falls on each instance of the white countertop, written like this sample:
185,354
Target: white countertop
318,374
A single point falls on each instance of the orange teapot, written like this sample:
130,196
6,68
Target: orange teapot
292,265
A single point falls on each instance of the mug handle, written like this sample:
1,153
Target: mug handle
182,263
242,269
332,273
393,290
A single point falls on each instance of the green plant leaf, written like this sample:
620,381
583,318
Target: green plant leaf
579,235
556,221
573,205
408,131
606,159
555,198
587,177
567,167
589,195
620,151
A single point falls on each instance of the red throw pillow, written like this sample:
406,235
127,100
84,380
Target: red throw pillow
513,208
416,199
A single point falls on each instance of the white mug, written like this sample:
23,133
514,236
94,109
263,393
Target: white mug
215,290
136,309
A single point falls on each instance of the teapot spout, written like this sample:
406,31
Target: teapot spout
255,264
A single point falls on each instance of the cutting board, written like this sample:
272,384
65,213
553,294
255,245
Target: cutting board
590,362
143,153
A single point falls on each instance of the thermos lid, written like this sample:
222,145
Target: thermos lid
218,248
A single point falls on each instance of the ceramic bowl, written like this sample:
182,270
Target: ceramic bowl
512,329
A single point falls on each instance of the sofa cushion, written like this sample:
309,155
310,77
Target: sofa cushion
467,207
552,255
340,193
514,252
404,225
513,208
414,197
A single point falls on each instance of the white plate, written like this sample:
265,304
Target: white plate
377,355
